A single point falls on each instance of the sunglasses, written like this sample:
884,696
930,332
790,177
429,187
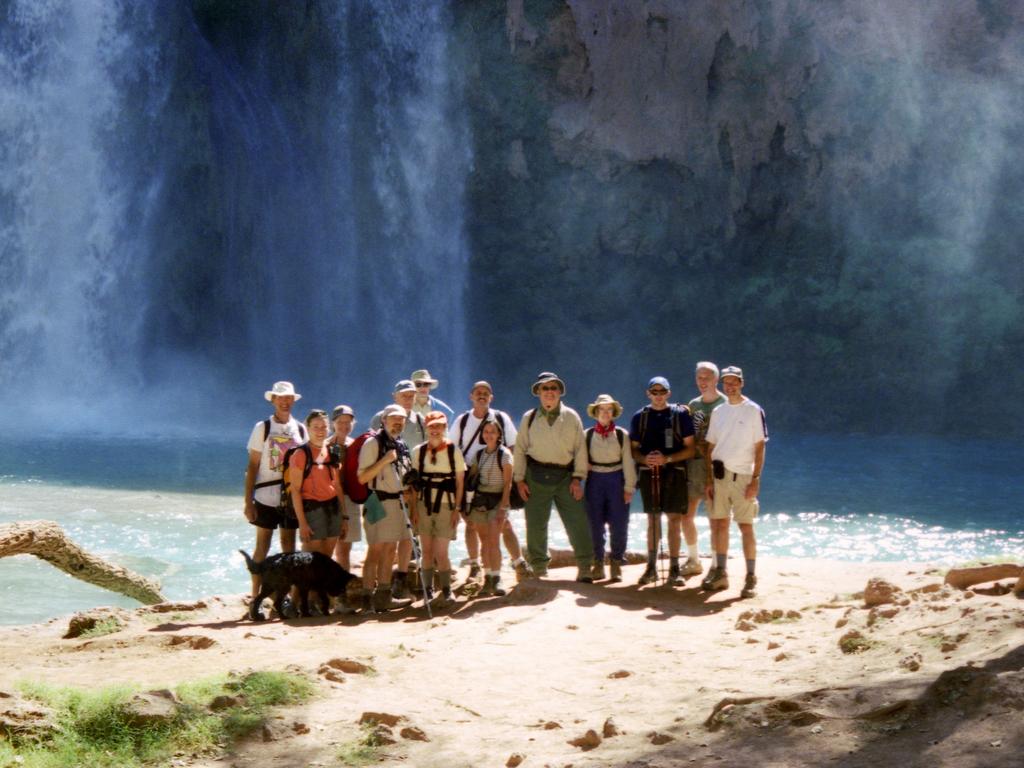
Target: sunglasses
422,385
551,388
658,391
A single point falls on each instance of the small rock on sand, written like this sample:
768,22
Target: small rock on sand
587,741
514,760
413,733
659,738
151,708
351,666
619,674
609,728
879,592
380,718
551,725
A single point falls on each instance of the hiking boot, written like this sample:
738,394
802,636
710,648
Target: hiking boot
445,598
255,611
749,586
382,599
540,572
597,572
692,567
616,572
400,586
488,588
343,607
716,581
674,577
474,572
583,576
366,601
523,571
649,576
496,587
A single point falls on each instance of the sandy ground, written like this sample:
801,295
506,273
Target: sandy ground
686,678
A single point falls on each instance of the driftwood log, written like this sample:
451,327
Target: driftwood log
962,578
46,540
564,558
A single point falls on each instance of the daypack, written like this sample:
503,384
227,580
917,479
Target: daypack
429,481
677,432
355,490
286,491
619,433
266,435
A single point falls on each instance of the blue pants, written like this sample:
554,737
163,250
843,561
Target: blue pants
606,507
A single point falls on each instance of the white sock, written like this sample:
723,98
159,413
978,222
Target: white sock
474,561
494,573
691,551
518,560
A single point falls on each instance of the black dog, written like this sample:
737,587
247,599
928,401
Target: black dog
306,571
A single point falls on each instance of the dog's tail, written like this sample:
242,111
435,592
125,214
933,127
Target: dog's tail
251,564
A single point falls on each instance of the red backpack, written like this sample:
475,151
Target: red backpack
355,490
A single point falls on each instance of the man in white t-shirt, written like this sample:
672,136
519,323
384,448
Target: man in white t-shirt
736,440
466,434
269,441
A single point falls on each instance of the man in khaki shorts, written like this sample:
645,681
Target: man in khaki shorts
700,407
435,512
383,464
736,440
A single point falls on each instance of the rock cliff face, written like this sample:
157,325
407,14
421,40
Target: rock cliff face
826,193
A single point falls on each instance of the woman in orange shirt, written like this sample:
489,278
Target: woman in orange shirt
316,489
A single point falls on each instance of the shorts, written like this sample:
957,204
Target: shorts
484,508
274,517
673,490
391,528
324,517
353,514
438,526
729,497
696,477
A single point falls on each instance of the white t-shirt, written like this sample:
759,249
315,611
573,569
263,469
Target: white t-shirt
462,436
272,450
735,430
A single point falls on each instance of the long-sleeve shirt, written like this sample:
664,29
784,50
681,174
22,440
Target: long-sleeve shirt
606,450
558,441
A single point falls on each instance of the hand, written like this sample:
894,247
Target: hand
524,490
455,518
391,456
752,488
627,496
576,489
250,511
305,532
709,492
654,459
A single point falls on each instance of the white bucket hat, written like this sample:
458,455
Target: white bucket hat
282,389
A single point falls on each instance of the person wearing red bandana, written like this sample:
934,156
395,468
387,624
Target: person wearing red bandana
611,481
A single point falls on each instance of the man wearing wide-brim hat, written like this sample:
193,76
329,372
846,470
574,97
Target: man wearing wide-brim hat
425,402
550,466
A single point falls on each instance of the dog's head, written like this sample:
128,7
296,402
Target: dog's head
338,580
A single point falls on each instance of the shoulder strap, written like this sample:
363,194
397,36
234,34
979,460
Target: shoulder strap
504,426
622,436
590,438
423,459
302,431
463,421
451,458
266,429
644,413
529,421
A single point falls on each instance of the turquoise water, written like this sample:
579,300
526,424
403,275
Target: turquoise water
170,508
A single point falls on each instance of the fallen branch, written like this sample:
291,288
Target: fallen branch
46,540
564,558
961,578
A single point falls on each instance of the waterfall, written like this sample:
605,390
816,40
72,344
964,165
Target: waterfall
197,201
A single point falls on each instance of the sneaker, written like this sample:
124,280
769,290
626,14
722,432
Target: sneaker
650,575
583,576
523,571
716,581
692,567
674,578
597,572
475,570
749,586
616,572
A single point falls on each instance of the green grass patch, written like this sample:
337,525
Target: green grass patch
360,752
96,728
105,627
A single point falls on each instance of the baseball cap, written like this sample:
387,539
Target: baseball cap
659,381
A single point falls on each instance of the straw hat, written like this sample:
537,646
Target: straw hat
605,400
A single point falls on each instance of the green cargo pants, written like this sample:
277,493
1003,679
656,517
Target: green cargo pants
538,515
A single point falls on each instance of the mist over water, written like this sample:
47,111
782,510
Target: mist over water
201,199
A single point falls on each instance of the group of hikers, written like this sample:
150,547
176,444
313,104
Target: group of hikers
415,472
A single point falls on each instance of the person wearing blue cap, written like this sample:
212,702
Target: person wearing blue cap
661,435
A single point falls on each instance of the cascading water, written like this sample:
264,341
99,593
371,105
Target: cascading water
199,200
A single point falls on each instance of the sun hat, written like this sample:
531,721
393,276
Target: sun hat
423,375
282,389
342,410
393,410
433,416
403,385
659,380
544,378
732,370
482,383
605,400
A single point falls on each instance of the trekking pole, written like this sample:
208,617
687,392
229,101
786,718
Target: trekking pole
417,552
656,502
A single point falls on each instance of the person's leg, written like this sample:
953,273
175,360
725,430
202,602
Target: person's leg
404,554
594,498
263,538
343,554
287,539
538,514
492,547
508,535
472,539
574,520
749,544
386,562
618,525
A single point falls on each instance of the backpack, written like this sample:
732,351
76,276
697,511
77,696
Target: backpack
286,491
619,433
677,432
429,483
266,436
492,415
355,490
